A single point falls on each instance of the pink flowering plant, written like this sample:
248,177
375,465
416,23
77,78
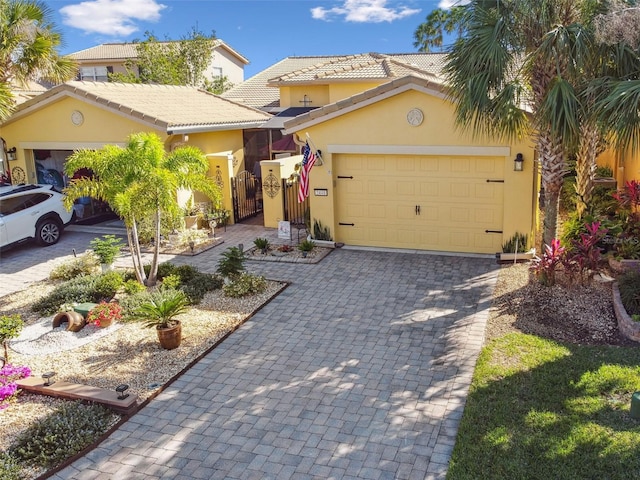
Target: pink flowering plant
8,387
545,268
104,314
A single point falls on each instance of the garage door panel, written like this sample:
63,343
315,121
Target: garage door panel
457,204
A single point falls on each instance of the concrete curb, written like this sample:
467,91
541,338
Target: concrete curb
627,326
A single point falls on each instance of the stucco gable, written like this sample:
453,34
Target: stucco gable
364,99
173,108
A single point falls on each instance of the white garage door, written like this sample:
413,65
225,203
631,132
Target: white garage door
444,203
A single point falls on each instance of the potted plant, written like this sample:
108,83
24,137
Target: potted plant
106,249
159,312
104,314
262,244
515,248
305,247
191,215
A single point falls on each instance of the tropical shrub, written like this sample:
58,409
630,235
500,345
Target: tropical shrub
245,284
320,232
199,285
9,467
133,286
231,263
261,244
85,288
171,281
85,264
107,285
106,248
545,267
519,241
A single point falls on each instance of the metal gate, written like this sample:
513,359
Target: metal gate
247,196
294,211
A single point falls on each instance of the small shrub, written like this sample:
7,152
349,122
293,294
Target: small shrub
9,467
164,269
172,281
196,288
85,264
261,243
245,284
106,248
133,286
131,303
629,285
186,273
231,264
77,290
65,432
10,327
306,246
106,286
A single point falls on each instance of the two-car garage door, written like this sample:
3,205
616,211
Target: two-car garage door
444,203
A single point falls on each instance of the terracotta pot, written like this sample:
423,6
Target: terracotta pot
171,337
106,323
74,320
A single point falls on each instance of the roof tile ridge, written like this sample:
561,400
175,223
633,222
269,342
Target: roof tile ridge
315,66
349,68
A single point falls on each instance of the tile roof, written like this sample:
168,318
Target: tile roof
260,91
255,92
361,99
169,107
123,51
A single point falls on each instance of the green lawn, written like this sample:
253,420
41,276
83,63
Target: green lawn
538,409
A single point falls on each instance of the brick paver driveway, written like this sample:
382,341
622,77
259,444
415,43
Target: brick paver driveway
358,370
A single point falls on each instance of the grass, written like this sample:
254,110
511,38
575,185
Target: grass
538,409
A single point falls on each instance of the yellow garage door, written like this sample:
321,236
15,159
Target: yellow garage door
444,203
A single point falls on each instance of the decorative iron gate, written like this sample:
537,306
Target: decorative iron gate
294,211
247,196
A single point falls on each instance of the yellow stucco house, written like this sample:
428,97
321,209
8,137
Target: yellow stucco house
394,169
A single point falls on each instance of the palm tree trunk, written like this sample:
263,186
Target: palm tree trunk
586,165
134,245
553,170
153,273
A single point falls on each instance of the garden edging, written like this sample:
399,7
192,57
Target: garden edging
626,325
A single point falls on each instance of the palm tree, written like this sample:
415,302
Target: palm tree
28,49
140,181
519,56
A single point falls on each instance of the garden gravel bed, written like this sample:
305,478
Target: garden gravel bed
294,256
572,313
130,354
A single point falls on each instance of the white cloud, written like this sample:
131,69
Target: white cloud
111,17
364,11
447,4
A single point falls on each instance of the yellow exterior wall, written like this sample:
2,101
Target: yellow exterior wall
50,128
624,169
340,91
293,96
384,123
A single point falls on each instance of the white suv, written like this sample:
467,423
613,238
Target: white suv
32,211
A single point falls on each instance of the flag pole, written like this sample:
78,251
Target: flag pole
317,152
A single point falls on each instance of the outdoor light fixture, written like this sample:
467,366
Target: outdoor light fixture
11,154
123,387
47,377
518,163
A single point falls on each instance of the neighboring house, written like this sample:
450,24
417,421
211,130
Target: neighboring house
45,130
96,63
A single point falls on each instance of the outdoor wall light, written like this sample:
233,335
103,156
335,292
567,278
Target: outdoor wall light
518,163
11,154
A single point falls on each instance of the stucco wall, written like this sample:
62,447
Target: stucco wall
383,126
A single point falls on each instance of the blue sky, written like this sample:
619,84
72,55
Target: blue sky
264,31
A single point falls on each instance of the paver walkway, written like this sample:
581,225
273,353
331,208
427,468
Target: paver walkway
358,370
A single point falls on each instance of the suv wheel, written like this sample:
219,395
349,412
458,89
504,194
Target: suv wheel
48,232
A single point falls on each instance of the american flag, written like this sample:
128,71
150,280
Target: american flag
308,159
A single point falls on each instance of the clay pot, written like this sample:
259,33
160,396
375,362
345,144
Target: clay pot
171,337
74,320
